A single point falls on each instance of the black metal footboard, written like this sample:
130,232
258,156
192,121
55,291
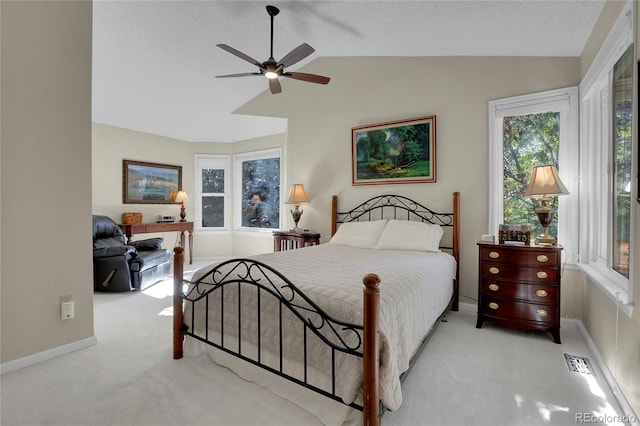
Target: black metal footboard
245,308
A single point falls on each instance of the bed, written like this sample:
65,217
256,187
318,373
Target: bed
301,323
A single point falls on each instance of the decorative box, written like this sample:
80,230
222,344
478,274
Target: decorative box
131,218
514,234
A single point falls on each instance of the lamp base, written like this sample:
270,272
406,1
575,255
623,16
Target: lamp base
297,213
545,216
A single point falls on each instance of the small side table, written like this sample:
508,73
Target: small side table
283,240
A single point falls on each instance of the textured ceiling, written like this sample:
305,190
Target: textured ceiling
154,62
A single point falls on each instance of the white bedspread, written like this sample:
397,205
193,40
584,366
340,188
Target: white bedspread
415,289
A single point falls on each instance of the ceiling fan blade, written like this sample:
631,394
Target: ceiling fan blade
244,74
312,78
274,86
239,54
296,55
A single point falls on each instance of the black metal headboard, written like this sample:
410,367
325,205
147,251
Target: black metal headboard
391,206
395,207
403,208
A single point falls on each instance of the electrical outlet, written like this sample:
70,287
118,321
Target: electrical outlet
66,310
66,307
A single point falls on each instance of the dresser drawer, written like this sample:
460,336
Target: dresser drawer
514,310
538,293
518,273
510,254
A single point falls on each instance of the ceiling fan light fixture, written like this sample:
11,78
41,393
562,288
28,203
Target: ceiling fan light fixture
271,74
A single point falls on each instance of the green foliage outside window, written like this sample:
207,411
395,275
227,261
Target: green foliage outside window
623,108
212,205
528,141
261,193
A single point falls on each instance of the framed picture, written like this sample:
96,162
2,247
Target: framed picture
394,152
149,183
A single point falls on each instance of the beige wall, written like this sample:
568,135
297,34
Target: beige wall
374,90
46,175
112,144
616,335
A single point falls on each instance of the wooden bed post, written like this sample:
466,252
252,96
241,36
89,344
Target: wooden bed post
371,351
334,214
178,320
456,248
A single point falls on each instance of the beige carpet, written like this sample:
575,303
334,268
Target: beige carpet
465,376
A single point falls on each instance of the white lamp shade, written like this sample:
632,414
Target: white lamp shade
545,182
297,195
181,196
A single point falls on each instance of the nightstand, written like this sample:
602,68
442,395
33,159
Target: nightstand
519,286
293,240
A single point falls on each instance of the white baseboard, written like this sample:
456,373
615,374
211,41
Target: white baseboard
467,307
28,361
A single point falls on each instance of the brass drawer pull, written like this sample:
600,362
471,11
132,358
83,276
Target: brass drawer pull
494,287
494,254
541,293
542,258
493,305
494,270
542,275
541,312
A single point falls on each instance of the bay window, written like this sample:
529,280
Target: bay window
606,228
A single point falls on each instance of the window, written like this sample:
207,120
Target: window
257,189
605,190
621,164
528,140
527,131
212,192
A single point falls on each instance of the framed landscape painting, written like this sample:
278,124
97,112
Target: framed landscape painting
394,152
149,183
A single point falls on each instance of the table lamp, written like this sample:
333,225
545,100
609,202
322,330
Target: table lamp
181,197
544,184
297,197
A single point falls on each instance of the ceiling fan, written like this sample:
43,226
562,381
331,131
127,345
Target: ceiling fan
273,69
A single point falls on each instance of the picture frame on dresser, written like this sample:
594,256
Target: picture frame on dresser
401,151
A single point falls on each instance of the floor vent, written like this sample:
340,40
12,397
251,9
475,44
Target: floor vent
579,364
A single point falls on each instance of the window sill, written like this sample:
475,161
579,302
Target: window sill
609,287
255,232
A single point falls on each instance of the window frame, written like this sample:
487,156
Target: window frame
596,123
238,159
566,101
211,161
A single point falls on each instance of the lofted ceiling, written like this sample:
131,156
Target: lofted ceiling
154,61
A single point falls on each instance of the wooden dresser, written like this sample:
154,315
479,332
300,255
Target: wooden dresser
519,286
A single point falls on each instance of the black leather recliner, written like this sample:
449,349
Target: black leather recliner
124,267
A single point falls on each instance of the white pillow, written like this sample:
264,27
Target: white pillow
359,234
410,235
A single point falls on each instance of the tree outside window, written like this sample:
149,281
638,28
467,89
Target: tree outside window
261,193
213,205
622,103
528,140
